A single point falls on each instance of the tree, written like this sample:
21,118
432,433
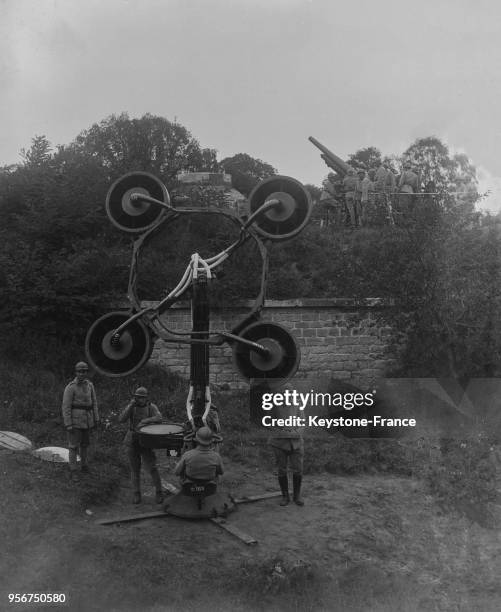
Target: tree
62,260
39,152
449,175
246,171
151,144
367,158
314,191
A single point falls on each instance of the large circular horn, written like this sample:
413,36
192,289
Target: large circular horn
118,356
282,356
290,213
138,215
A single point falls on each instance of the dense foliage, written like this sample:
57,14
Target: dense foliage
62,262
245,171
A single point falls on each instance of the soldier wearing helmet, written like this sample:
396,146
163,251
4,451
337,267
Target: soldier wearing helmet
350,187
202,462
139,412
80,416
408,185
409,180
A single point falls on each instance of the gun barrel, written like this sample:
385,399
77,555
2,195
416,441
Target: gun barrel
341,166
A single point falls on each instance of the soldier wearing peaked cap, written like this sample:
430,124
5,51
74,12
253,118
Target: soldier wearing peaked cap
80,415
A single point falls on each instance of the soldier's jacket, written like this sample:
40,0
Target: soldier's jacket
390,181
363,187
380,178
200,463
286,438
409,182
350,184
79,405
135,414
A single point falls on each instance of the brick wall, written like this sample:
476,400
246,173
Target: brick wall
341,338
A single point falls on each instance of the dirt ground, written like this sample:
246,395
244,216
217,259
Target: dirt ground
367,539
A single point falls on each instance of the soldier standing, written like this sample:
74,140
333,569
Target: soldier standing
350,187
139,412
364,185
80,416
408,185
384,186
380,182
331,198
288,447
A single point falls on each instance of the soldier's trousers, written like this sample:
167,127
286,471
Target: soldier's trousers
138,454
354,211
292,456
78,439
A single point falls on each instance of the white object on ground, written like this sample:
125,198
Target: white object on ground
53,453
14,441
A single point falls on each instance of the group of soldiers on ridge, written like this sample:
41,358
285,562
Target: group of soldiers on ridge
81,415
366,196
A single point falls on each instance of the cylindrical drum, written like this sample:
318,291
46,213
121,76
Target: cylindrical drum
162,435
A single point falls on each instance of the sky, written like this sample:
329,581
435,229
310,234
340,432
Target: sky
260,76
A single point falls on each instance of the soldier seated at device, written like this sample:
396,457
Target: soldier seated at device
202,463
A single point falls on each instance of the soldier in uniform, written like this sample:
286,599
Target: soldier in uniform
202,462
139,412
364,186
80,416
384,186
331,199
288,448
380,182
350,187
408,185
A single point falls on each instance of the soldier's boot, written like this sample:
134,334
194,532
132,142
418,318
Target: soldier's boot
83,459
72,460
136,495
157,483
296,484
284,487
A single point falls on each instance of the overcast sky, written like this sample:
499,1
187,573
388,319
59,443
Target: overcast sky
260,76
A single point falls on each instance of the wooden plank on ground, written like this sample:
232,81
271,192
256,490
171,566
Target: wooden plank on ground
253,498
132,517
219,521
241,535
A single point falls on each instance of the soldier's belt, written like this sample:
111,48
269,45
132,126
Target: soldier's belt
88,408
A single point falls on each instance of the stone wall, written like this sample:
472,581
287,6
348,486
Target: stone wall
341,338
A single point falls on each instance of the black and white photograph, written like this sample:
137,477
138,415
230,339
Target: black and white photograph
250,306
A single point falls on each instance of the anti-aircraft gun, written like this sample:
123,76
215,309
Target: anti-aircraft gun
342,169
119,343
332,160
335,191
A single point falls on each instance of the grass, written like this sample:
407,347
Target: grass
461,475
44,518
